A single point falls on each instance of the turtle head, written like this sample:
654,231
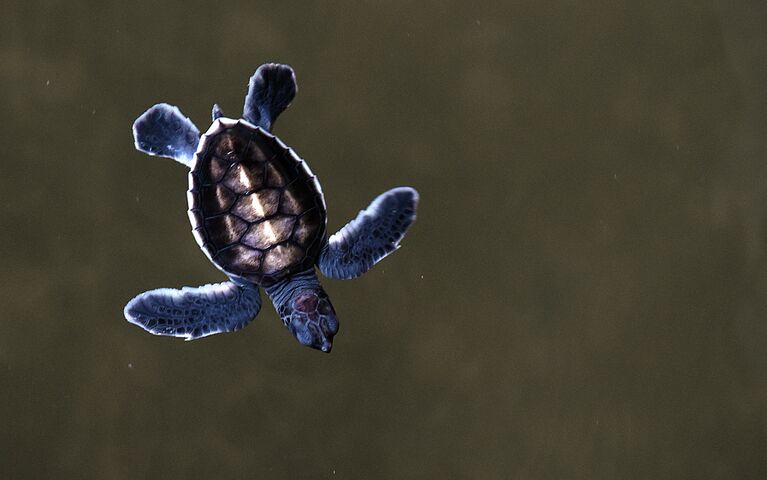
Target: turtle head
305,309
311,319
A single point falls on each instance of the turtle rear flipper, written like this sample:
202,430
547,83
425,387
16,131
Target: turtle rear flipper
374,234
193,313
216,112
165,132
270,91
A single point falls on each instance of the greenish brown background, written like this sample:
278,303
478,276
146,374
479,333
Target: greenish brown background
583,296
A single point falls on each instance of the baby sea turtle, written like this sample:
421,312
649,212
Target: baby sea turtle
258,213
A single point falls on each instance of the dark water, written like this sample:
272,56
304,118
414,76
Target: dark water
584,294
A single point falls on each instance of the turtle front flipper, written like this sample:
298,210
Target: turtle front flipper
270,91
374,234
165,132
193,313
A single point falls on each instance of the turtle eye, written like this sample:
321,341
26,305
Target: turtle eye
314,330
302,334
325,308
330,324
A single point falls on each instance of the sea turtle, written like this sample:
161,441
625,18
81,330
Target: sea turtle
258,213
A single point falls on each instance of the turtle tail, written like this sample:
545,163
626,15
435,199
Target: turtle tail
270,91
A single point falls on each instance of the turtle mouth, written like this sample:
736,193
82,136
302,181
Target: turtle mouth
311,334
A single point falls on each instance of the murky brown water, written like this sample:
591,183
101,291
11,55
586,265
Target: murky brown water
583,296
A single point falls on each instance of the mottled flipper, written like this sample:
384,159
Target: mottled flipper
165,132
270,91
375,233
193,313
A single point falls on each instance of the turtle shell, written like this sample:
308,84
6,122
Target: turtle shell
257,211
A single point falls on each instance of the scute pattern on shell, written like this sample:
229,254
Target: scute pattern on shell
257,210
